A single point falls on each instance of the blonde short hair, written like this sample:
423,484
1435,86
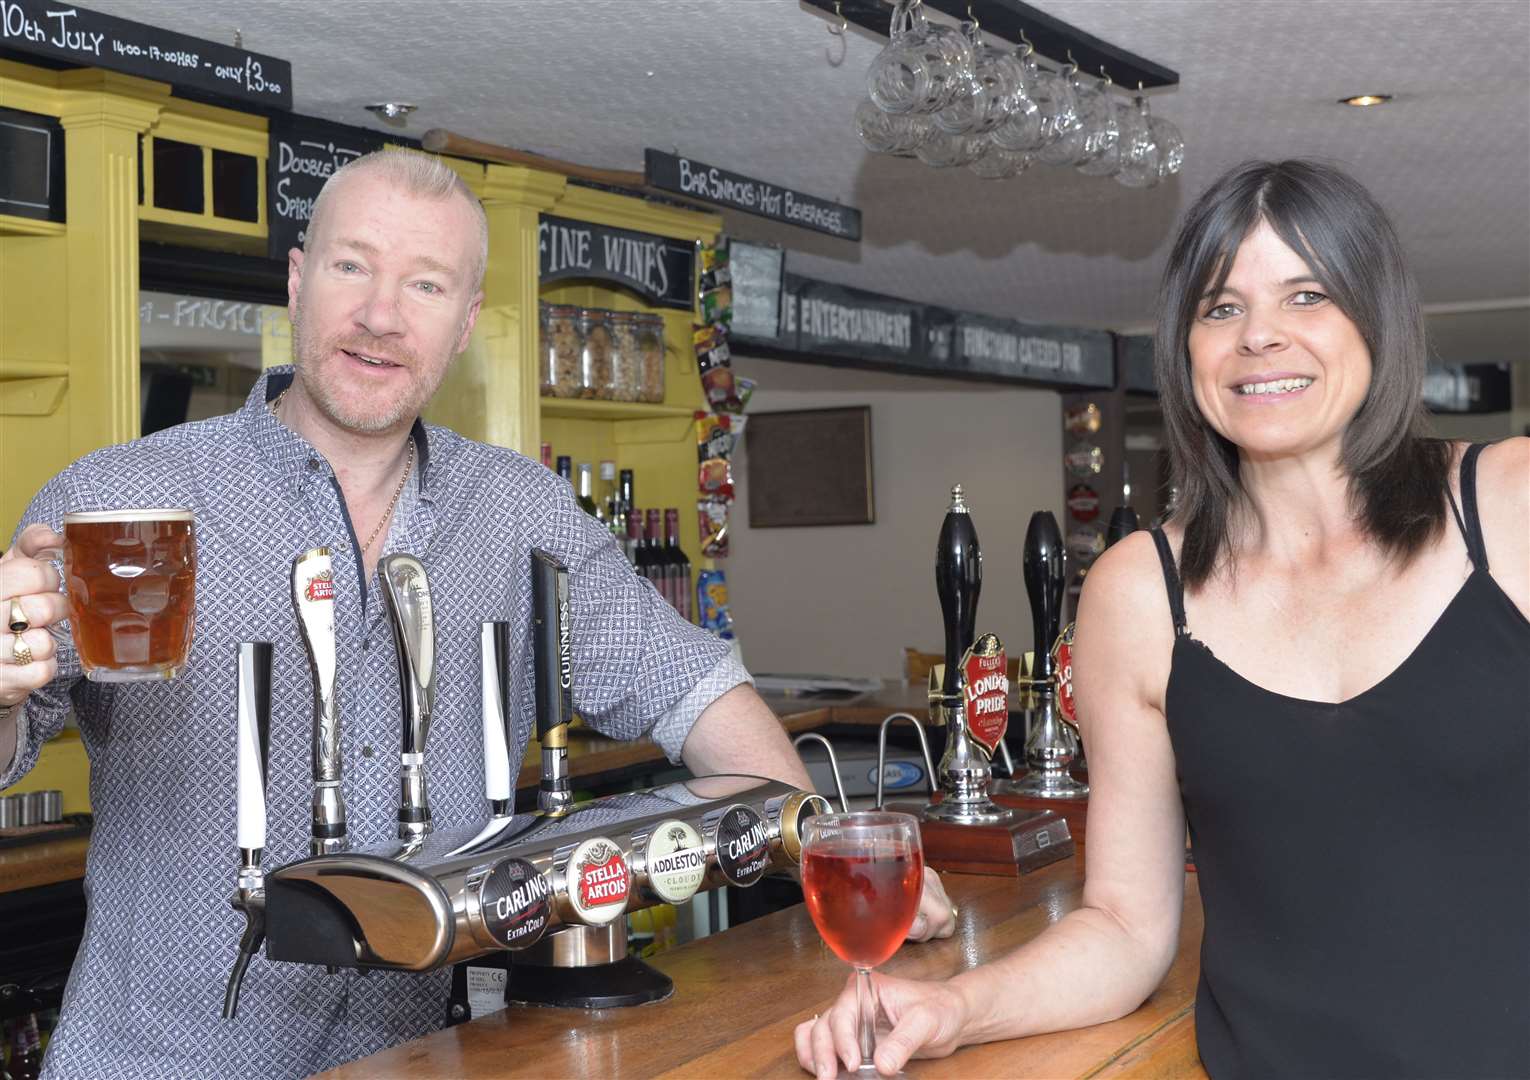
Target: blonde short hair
423,175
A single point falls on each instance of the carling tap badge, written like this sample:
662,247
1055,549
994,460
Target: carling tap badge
985,694
1062,664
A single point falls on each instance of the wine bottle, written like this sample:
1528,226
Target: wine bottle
677,566
586,502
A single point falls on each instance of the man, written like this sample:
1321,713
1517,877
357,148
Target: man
331,452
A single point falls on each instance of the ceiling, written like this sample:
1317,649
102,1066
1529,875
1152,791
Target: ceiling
761,87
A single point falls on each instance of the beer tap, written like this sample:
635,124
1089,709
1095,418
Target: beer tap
553,657
494,660
407,592
1123,522
964,768
313,597
254,741
1052,747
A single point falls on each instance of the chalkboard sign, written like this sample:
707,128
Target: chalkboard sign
77,35
687,176
657,268
304,153
757,271
31,166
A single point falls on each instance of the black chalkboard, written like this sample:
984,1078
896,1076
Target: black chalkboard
77,35
660,269
31,166
304,153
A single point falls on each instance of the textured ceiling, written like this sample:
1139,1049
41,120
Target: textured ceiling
761,87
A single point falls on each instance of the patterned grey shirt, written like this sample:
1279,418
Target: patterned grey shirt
145,993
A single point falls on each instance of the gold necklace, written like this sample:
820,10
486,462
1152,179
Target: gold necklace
397,492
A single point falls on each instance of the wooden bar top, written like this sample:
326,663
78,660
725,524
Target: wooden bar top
739,995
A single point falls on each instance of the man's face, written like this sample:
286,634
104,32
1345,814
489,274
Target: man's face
382,301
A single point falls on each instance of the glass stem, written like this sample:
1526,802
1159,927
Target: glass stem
868,1012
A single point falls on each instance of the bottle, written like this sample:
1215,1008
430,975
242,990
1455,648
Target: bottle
566,467
632,543
677,566
605,497
624,493
547,458
651,556
586,503
26,1049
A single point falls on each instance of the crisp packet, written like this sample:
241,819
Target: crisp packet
712,603
714,267
717,379
717,305
714,448
745,389
712,517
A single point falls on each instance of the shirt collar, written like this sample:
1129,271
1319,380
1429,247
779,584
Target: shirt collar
291,454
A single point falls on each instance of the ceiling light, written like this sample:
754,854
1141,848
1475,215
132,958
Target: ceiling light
1362,100
391,110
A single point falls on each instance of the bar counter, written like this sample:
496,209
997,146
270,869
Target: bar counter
739,995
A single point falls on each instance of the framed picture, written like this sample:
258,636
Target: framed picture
810,467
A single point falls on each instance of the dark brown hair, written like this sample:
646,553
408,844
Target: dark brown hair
1397,472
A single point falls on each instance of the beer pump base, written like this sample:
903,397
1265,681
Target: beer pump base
1043,784
1026,843
584,967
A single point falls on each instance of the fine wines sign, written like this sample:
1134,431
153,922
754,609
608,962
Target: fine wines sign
76,35
659,269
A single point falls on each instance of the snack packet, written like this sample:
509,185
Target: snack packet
712,516
712,603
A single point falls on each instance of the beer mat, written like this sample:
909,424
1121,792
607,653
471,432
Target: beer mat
22,835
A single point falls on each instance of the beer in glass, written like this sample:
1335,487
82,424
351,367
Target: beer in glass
131,576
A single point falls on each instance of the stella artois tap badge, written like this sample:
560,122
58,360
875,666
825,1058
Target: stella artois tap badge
985,691
598,881
1062,664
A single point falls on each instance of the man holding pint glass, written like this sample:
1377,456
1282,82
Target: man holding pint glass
201,524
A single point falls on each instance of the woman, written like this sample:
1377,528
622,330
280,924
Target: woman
1320,664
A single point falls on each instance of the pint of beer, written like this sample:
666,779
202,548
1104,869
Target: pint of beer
132,591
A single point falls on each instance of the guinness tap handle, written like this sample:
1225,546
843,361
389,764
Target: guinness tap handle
958,580
407,592
495,649
553,664
1044,585
1123,522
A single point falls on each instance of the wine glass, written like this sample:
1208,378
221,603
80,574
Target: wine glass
1021,128
862,876
1140,159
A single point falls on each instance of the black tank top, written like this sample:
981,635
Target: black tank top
1365,866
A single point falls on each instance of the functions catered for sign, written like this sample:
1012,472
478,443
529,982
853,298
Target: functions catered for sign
687,176
78,35
660,269
304,153
872,330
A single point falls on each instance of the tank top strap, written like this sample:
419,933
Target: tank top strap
1171,582
1471,528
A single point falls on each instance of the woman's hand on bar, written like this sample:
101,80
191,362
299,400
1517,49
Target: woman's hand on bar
936,917
927,1019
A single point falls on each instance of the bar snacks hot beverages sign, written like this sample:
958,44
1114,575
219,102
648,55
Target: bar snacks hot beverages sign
660,269
687,176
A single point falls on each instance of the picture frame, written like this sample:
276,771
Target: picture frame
810,467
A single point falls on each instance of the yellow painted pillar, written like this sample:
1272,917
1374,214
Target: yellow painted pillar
492,393
103,116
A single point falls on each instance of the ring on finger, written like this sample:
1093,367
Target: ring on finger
955,912
21,652
18,620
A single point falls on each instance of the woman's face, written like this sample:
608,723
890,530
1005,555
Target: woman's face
1276,368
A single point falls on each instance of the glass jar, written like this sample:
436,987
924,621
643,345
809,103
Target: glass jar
561,349
649,335
595,356
626,357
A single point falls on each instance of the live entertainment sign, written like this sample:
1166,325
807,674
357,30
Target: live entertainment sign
76,35
687,176
660,269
